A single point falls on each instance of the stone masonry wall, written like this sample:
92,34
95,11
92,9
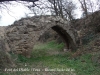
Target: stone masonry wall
23,34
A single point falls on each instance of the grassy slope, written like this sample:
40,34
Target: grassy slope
50,55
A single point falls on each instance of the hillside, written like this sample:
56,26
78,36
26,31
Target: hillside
90,35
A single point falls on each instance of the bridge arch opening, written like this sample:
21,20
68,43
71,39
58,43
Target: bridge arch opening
69,44
62,34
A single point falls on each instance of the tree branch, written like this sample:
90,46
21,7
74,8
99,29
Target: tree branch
20,0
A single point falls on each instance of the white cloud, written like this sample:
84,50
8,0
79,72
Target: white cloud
15,12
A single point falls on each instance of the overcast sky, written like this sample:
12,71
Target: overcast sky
17,11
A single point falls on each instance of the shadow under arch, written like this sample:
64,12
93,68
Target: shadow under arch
65,37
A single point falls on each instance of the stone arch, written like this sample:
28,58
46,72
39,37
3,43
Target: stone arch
23,34
65,36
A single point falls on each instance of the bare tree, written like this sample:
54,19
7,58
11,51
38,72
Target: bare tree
20,0
57,7
63,8
98,4
89,6
5,2
84,6
68,10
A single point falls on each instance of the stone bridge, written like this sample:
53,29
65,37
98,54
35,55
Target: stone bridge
23,34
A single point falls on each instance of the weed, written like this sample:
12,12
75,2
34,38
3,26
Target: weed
42,58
